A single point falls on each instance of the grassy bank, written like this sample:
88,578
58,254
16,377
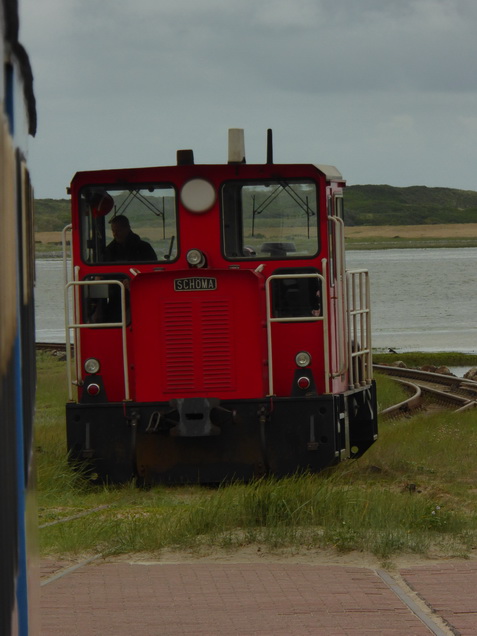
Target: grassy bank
418,359
411,236
384,243
413,492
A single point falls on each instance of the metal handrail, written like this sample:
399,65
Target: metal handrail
77,325
359,328
66,229
341,283
72,275
323,319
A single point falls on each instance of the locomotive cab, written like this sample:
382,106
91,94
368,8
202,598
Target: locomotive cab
217,334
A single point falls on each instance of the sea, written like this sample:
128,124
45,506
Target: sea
422,299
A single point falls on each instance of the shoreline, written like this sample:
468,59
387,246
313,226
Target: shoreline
411,236
357,237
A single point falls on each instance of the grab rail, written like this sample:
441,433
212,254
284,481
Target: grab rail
340,272
64,243
323,319
77,325
359,328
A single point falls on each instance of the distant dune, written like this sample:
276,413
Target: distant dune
444,231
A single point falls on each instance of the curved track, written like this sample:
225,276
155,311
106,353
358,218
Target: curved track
434,390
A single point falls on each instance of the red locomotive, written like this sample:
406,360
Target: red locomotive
217,333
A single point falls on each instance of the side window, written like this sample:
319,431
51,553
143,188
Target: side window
294,297
339,206
128,225
335,209
102,301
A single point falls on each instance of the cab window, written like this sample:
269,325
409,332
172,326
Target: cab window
273,219
128,224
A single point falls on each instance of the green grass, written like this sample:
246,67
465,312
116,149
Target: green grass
419,359
390,392
387,243
412,492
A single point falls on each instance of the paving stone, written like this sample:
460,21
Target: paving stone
210,598
450,589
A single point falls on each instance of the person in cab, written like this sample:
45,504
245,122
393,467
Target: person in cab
127,246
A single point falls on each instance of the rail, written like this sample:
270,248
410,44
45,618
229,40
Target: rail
77,325
359,328
64,243
406,406
438,388
341,281
323,318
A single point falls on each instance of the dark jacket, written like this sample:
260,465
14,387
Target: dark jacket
133,250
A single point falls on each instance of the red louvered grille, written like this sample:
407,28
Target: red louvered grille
198,345
216,346
179,340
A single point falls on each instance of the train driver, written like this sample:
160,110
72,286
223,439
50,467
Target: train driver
127,246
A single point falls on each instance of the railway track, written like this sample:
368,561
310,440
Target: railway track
430,390
50,346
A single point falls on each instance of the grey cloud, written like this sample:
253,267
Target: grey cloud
375,86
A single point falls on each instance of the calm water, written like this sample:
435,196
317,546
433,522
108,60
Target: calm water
422,300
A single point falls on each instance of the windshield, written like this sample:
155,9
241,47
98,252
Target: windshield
133,224
272,219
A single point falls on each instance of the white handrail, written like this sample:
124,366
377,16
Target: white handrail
323,318
359,328
342,334
77,324
67,228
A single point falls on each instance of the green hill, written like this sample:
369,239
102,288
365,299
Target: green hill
416,205
364,205
51,215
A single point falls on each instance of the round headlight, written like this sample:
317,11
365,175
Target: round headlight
195,258
198,195
303,359
91,365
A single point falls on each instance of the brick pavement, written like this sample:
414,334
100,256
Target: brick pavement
118,598
450,589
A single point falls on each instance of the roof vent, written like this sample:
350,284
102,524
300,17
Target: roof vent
236,145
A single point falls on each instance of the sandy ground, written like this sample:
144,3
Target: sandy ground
48,237
452,230
257,554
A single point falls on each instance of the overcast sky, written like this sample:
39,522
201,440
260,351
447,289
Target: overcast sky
386,90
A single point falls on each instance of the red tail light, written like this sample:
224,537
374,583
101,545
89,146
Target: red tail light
303,383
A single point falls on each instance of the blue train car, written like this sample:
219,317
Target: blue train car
17,351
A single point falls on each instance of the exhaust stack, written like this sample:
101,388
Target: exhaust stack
185,157
269,146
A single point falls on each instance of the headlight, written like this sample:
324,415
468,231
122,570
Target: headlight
303,359
92,365
195,258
